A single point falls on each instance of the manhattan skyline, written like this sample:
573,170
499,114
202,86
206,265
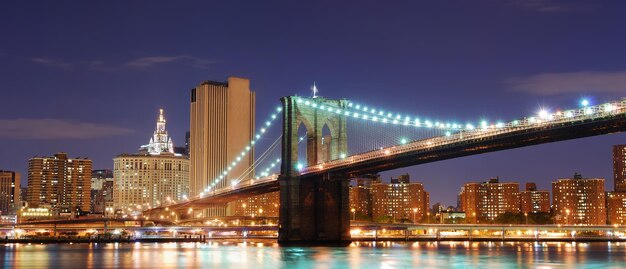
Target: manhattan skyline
95,93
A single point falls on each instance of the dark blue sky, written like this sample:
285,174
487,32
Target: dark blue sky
88,78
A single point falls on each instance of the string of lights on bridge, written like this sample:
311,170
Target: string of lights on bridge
364,112
360,111
244,153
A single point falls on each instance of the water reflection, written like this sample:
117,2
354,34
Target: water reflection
359,255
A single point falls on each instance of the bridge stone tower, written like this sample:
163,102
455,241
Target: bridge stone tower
314,210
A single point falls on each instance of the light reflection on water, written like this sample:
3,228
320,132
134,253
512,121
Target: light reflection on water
358,255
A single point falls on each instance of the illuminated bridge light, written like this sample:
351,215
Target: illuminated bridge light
584,102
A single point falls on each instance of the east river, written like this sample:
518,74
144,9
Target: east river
359,255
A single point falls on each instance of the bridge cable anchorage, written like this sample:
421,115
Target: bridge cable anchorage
258,161
453,132
245,152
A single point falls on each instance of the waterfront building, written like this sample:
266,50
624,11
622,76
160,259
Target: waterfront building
533,200
487,200
63,184
264,205
221,128
361,196
155,176
399,200
619,168
616,207
9,192
579,201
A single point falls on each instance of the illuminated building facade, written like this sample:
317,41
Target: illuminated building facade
9,192
579,201
153,177
616,201
533,200
616,207
264,205
619,167
221,128
361,196
59,182
487,200
400,200
101,190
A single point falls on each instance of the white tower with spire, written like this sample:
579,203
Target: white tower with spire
160,141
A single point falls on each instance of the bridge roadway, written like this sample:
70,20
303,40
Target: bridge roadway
572,124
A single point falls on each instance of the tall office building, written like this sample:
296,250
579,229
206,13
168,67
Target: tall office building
153,177
401,200
9,192
579,200
619,167
489,199
533,200
222,126
59,182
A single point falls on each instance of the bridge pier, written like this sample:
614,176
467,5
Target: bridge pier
314,211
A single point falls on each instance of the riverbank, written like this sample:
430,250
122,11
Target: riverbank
100,240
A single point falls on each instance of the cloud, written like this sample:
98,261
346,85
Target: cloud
57,129
145,62
138,63
51,62
548,5
574,82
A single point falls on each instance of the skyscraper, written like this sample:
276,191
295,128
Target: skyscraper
619,167
221,127
9,191
579,200
153,177
59,182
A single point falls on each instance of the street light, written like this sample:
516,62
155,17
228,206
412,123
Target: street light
526,216
353,214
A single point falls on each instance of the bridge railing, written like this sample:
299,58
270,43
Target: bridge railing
544,119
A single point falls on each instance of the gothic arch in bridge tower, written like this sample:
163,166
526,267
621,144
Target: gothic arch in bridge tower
315,120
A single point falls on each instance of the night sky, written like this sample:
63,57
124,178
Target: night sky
88,78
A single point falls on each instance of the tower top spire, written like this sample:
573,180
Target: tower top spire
159,142
314,90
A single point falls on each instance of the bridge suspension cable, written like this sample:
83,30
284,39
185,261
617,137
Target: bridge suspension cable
223,175
258,161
